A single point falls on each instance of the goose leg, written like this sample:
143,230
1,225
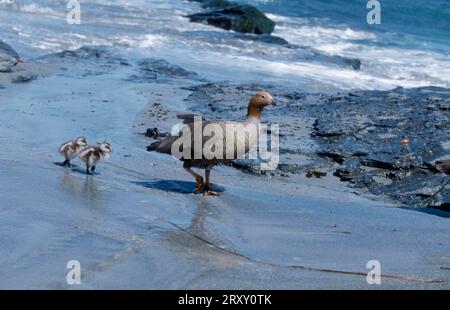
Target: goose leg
198,178
87,169
208,190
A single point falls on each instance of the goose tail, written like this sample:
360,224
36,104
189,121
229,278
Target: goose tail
154,146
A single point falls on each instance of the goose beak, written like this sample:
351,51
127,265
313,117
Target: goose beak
274,103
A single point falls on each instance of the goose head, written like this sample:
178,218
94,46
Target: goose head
258,102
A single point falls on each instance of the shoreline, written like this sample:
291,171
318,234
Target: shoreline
137,219
347,190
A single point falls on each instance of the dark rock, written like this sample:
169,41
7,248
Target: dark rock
154,133
105,55
443,199
142,78
316,174
391,161
162,67
379,164
311,54
90,61
266,38
8,57
344,175
420,189
371,153
358,136
354,63
24,77
344,124
7,49
351,171
244,165
86,52
156,70
443,166
336,156
290,168
240,18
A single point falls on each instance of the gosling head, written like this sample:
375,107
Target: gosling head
105,147
81,141
258,102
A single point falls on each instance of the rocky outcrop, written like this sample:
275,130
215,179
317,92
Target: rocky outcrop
8,57
384,142
162,67
232,16
387,142
159,70
247,20
90,60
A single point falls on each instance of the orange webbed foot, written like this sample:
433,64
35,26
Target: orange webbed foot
210,193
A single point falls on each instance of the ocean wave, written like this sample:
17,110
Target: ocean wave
381,56
318,52
30,8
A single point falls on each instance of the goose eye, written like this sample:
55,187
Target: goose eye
263,97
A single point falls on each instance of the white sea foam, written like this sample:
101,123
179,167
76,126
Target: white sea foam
391,65
158,29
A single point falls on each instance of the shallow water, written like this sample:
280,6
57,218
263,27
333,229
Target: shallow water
135,224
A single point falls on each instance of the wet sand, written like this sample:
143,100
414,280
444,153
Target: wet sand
136,223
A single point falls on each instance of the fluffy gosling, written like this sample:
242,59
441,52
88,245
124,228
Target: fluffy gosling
92,154
71,149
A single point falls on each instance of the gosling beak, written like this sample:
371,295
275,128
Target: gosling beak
274,103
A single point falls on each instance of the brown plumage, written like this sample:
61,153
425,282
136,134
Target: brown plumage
92,154
443,166
71,148
205,161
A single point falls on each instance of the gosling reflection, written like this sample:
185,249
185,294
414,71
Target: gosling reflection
84,190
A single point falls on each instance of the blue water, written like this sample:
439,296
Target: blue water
410,48
427,21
